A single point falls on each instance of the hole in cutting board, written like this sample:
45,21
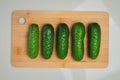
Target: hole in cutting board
22,20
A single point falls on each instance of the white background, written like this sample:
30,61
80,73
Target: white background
8,72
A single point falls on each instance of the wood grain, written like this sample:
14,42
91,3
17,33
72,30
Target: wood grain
20,32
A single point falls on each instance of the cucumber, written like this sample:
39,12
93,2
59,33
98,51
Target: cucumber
62,40
78,34
94,40
33,41
47,40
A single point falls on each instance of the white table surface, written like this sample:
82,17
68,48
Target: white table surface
8,72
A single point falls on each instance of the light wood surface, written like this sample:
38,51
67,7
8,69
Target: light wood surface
20,32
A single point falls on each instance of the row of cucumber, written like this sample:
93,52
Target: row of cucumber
62,40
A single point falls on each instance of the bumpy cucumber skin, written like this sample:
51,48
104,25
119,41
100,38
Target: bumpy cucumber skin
33,41
94,40
78,34
62,40
47,40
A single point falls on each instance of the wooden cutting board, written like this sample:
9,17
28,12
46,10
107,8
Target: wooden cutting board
20,32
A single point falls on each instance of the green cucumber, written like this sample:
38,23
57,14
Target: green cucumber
94,39
62,40
33,41
78,34
47,40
